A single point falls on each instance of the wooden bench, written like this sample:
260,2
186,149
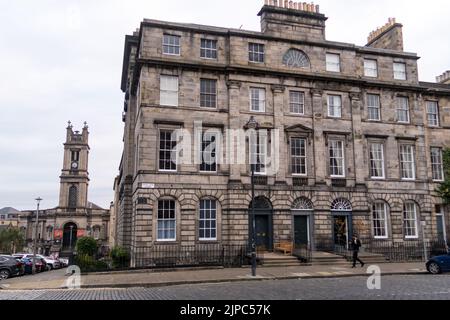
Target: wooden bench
286,247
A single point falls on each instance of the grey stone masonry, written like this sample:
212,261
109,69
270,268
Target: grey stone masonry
343,107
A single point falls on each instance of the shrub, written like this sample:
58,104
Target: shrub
86,246
87,263
120,257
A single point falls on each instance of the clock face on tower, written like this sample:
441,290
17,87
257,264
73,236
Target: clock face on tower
74,165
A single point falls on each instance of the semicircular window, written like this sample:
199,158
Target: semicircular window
303,204
341,205
296,59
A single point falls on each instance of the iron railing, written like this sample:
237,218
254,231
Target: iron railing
165,256
405,251
303,253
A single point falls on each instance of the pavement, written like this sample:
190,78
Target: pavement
59,279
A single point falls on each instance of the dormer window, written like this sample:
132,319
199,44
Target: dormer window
171,45
256,52
333,62
399,71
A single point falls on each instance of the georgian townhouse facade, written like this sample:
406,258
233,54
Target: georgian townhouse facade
360,138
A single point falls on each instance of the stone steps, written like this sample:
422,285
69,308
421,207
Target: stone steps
281,261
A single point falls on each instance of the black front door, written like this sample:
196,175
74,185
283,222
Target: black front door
340,231
262,232
301,237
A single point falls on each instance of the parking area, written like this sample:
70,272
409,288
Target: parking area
23,264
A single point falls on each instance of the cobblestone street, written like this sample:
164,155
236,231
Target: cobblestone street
423,287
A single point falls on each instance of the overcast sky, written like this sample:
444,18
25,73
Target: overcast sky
62,60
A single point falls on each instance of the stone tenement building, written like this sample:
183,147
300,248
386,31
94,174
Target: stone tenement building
360,137
75,217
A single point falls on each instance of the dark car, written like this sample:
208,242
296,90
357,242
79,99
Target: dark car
439,264
10,267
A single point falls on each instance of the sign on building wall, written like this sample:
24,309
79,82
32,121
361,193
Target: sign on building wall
81,233
58,234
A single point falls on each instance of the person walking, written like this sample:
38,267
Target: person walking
355,245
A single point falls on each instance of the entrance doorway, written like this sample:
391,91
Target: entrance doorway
340,231
70,236
342,213
262,233
263,216
301,231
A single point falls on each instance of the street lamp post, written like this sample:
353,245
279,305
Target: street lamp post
425,254
70,241
253,124
36,226
253,224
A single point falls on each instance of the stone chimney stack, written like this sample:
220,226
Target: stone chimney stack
444,78
293,20
389,36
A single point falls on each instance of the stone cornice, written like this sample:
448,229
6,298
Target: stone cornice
257,71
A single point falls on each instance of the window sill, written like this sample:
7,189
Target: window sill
171,54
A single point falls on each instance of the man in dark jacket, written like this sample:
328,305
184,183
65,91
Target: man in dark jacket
355,245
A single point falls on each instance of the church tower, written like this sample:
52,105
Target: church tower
75,176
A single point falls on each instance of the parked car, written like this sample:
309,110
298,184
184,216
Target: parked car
10,267
41,265
51,263
439,264
64,262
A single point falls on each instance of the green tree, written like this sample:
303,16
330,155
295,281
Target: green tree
444,189
11,240
86,246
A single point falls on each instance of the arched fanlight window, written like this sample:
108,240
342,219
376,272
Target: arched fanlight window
303,204
262,203
341,204
73,197
296,59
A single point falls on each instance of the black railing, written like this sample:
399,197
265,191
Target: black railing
408,250
303,252
405,251
165,256
329,245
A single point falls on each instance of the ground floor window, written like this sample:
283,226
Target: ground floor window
379,214
166,220
410,220
208,220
